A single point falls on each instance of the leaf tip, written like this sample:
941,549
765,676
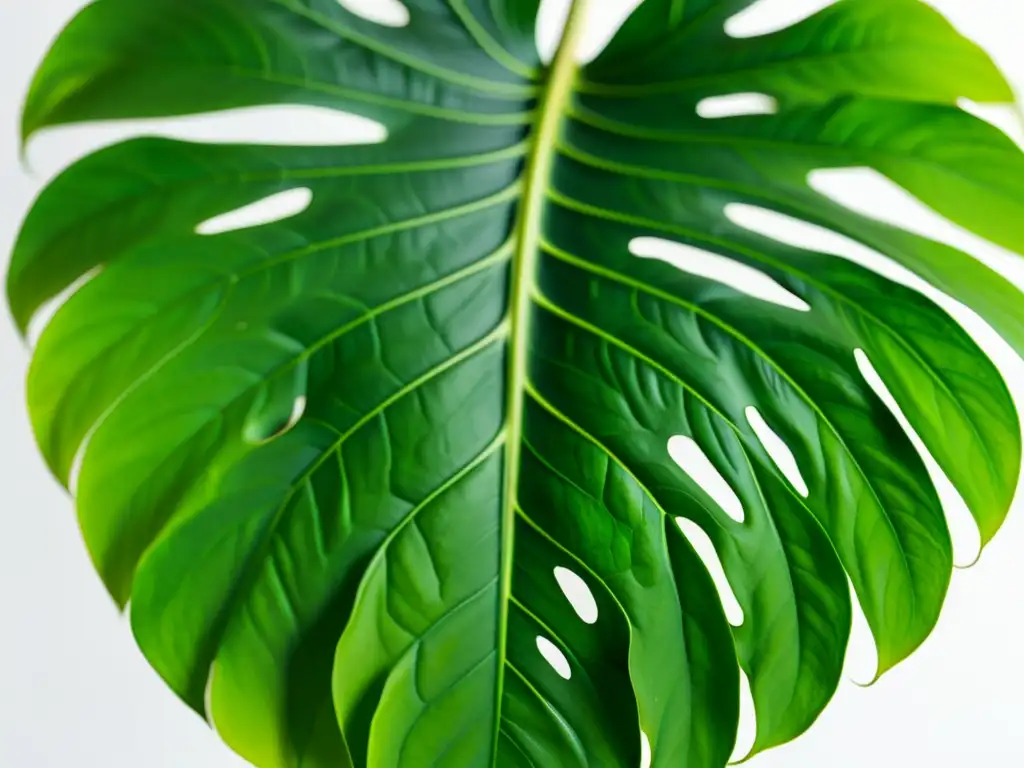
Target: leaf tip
879,672
972,563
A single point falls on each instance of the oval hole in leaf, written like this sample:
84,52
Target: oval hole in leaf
963,529
577,593
693,461
856,186
851,187
705,550
735,104
721,269
388,13
812,237
777,449
551,20
276,207
767,16
554,656
277,125
869,193
746,734
645,751
602,26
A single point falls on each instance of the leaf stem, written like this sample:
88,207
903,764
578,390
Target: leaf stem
557,91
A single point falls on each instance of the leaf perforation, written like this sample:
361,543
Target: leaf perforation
905,557
521,514
855,154
551,634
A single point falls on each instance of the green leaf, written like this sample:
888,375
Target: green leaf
334,461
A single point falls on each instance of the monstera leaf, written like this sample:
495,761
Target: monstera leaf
341,464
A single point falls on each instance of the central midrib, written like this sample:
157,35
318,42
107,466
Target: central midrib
527,235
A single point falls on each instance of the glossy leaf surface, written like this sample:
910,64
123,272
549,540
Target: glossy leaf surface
335,461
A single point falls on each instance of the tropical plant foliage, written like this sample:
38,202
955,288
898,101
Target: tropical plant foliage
486,378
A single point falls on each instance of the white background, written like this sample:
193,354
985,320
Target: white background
75,691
